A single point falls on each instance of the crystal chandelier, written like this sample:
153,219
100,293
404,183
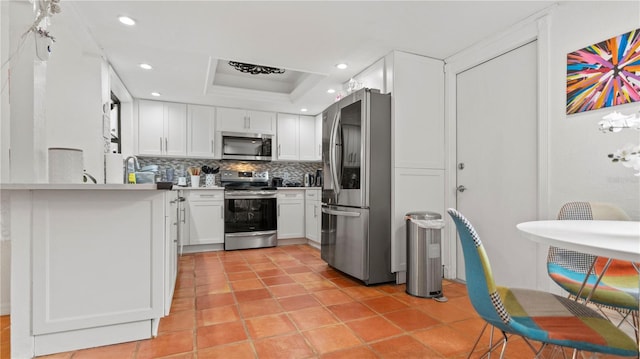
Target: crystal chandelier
255,69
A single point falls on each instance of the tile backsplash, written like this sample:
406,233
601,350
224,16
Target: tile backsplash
290,171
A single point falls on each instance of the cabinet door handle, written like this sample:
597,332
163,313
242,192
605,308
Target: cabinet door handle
160,144
166,145
249,121
221,212
279,149
278,210
184,215
211,146
320,150
315,213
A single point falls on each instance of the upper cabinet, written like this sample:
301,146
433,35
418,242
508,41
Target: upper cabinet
200,131
288,132
299,138
238,120
310,147
161,128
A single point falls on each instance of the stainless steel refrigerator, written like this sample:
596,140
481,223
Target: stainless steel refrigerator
356,188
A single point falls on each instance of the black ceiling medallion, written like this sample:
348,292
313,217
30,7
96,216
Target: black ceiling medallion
255,69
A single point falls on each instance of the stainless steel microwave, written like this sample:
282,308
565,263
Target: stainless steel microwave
246,146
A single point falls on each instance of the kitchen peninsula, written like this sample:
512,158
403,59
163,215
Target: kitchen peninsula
90,264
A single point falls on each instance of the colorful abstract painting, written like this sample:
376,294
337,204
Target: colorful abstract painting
604,74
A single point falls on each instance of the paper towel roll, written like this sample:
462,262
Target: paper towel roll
114,168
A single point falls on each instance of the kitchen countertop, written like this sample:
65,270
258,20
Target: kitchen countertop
296,188
77,186
92,186
189,188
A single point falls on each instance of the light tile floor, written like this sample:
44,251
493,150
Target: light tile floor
285,302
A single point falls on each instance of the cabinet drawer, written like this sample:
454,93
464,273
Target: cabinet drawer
288,194
205,195
312,194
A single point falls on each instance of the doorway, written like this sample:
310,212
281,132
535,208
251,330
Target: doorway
115,125
497,160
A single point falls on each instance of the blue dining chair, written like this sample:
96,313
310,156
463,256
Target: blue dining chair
533,315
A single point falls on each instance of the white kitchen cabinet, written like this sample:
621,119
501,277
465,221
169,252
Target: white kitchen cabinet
312,216
290,214
307,137
97,274
248,121
318,138
171,247
297,140
206,216
200,131
288,130
162,128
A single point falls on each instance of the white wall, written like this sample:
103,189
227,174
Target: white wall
53,104
578,165
75,93
5,243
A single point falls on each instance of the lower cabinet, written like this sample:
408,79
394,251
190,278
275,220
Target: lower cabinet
312,216
290,214
171,247
89,267
205,217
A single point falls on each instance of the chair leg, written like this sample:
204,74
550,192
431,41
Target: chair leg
575,354
478,340
505,341
492,346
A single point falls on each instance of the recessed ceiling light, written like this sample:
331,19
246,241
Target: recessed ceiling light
303,110
331,91
342,66
127,20
155,94
146,66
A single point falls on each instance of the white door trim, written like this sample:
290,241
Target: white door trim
536,27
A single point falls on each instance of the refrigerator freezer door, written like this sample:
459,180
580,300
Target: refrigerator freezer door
344,147
345,240
328,187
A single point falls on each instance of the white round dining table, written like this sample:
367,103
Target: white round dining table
612,239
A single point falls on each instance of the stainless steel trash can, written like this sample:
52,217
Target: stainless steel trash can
424,260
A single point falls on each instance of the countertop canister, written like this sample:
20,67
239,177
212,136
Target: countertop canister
65,165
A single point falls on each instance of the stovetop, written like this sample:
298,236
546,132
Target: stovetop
245,181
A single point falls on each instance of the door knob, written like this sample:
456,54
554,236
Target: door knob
461,165
461,188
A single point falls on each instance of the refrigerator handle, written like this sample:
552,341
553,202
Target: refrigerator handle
332,153
340,213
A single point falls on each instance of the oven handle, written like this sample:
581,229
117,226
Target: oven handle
245,234
340,213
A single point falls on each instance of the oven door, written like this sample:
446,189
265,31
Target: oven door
250,221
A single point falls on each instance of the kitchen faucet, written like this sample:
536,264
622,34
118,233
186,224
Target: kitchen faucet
136,167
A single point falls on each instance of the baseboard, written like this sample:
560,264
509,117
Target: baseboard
5,308
290,241
313,244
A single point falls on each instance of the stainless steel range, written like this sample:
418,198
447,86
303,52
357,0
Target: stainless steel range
250,210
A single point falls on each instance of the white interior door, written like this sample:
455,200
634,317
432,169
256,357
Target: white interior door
497,160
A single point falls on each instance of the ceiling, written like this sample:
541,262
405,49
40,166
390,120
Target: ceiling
189,43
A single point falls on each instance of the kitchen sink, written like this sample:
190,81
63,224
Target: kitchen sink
145,177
